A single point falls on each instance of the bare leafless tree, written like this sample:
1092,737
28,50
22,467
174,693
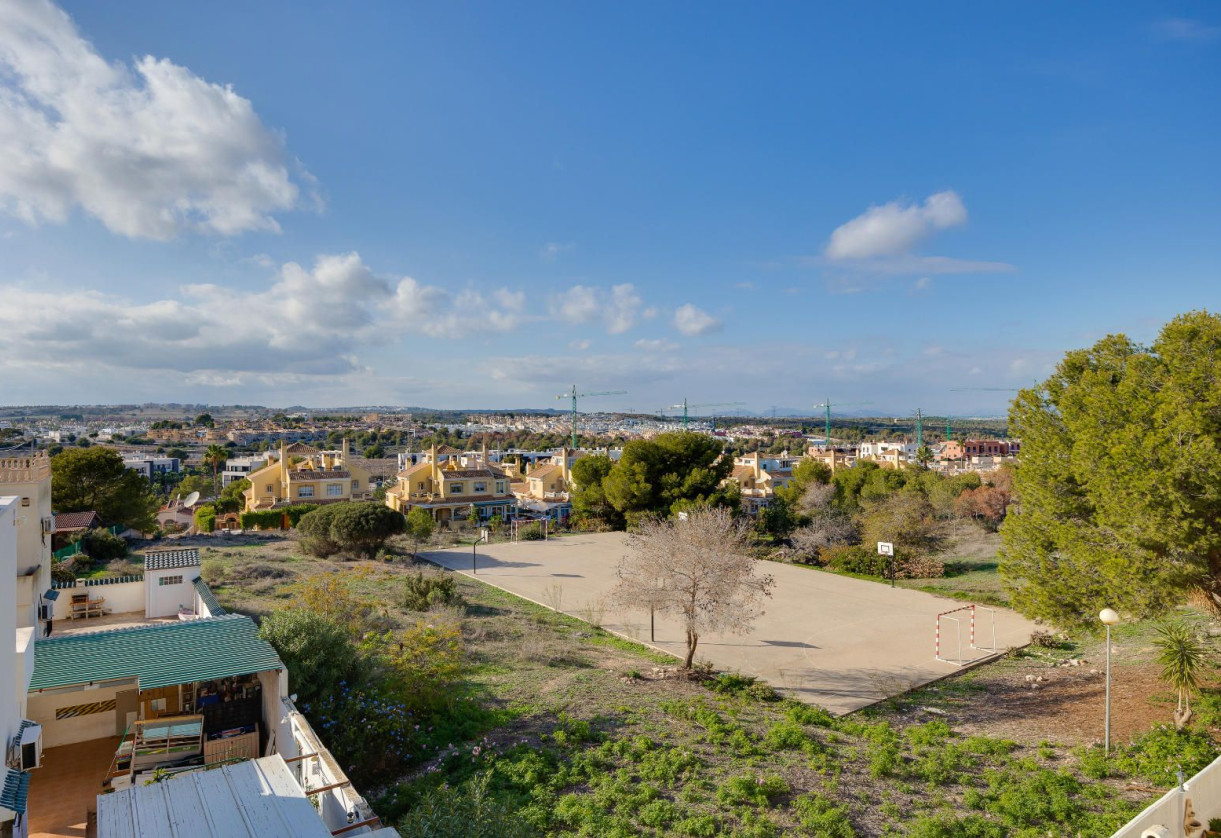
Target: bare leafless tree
699,568
827,528
816,498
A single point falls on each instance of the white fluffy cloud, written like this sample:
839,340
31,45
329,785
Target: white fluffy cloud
692,320
658,345
881,241
618,309
309,322
150,150
894,229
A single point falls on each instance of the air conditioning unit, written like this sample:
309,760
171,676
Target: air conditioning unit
31,747
46,611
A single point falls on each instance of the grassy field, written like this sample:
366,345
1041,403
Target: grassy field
589,734
970,562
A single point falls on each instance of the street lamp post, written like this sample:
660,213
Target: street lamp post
1108,618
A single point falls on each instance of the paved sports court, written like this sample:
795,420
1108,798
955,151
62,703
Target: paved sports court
837,642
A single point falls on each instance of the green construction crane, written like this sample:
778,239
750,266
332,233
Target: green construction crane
919,429
574,395
685,406
827,405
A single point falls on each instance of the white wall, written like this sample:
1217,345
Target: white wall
42,707
165,600
12,669
121,598
1204,792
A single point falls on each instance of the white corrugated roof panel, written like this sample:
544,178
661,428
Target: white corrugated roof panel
254,799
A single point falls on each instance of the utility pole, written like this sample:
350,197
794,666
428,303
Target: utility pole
574,395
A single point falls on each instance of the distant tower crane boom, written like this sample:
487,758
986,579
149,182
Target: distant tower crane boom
827,405
686,406
574,395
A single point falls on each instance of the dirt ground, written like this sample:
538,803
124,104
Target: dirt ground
1040,696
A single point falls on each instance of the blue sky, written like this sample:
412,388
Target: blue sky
476,205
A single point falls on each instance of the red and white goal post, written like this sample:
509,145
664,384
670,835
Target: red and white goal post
957,621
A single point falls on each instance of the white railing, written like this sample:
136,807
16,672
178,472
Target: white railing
339,805
1165,818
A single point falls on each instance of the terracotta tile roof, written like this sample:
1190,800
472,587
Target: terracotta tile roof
301,448
318,474
467,473
68,521
542,471
447,451
741,473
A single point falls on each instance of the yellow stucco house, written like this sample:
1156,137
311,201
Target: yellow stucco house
304,474
830,457
758,477
450,487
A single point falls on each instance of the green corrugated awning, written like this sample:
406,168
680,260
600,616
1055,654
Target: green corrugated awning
159,655
209,599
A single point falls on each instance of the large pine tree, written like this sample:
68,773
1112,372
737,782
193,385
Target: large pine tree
1119,487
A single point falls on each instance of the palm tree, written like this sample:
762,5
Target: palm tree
215,456
1183,658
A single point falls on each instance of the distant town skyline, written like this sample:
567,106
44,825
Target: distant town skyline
478,206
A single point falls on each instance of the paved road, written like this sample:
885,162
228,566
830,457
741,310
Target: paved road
830,640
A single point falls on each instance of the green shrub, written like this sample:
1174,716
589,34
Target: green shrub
1157,755
103,545
531,532
698,826
943,764
931,733
1022,797
1093,762
805,714
273,519
659,814
668,765
205,518
318,652
822,817
948,826
752,789
737,684
855,559
263,519
467,812
421,592
787,736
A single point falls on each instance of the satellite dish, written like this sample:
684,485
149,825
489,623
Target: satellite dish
190,500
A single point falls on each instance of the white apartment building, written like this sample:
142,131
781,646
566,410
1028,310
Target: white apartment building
239,468
875,450
152,466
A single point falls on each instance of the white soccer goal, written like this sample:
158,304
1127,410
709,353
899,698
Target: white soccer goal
959,660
